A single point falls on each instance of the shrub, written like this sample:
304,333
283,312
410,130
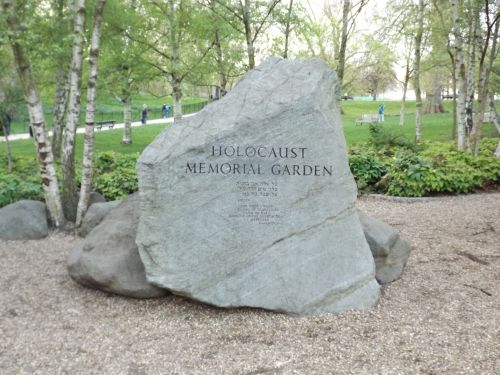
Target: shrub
115,175
14,188
367,168
385,139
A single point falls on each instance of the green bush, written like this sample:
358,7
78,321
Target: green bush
14,188
433,168
385,140
367,168
114,174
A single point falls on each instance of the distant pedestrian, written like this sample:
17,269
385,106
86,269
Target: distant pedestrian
144,114
381,109
165,110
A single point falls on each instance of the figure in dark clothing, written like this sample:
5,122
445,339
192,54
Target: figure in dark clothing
144,114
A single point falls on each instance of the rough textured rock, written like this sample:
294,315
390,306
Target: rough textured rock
108,259
389,250
24,220
251,201
94,216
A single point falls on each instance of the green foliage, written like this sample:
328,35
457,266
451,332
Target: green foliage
436,168
13,188
22,183
115,175
367,168
382,137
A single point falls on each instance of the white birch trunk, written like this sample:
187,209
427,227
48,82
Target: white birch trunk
403,103
482,87
59,109
61,92
418,93
176,80
68,158
471,67
37,120
287,29
88,145
493,113
127,119
177,96
245,12
461,79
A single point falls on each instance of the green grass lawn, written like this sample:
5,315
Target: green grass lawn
435,127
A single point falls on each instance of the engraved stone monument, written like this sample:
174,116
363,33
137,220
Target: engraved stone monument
251,202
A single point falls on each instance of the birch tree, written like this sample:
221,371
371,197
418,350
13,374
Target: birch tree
250,19
35,109
61,19
88,145
350,12
418,56
172,43
486,59
69,186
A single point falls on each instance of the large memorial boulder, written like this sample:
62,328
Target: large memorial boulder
108,259
24,220
251,202
389,250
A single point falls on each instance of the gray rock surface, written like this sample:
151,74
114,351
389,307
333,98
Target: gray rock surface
251,201
24,220
389,250
94,216
108,259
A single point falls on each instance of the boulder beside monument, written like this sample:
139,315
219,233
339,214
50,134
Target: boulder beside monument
24,220
251,202
108,260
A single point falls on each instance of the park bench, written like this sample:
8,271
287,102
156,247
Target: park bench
108,123
367,119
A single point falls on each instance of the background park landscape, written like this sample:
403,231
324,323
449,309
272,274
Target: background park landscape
96,99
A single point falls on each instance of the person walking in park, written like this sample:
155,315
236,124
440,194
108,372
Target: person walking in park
166,110
381,109
144,114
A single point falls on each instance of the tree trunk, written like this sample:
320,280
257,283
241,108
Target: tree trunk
471,67
418,94
287,29
343,43
245,11
68,157
220,64
403,102
482,87
7,144
461,81
61,92
127,119
177,96
175,77
88,145
434,100
454,88
493,113
59,109
37,119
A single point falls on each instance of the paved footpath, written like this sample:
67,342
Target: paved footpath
15,137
